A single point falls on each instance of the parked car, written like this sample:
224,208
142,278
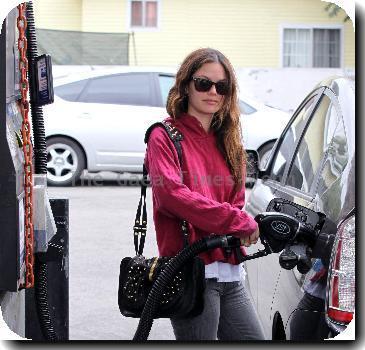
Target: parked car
98,119
312,164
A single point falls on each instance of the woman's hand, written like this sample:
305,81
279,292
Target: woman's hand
252,239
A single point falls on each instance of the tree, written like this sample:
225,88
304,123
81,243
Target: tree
333,10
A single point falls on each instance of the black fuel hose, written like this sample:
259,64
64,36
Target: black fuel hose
41,297
166,276
40,167
39,134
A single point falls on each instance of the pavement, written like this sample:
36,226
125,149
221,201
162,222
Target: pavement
101,217
102,213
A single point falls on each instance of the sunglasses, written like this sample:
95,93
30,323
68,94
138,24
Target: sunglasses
204,85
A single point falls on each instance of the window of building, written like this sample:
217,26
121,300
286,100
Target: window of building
144,14
312,47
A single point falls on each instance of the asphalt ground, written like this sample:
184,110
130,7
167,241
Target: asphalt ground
102,213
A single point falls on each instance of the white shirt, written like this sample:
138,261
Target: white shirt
225,272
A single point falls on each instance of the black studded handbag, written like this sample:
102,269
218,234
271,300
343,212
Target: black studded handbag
184,296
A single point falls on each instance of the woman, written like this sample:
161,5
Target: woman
208,191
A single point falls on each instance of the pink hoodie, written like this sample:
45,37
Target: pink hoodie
205,197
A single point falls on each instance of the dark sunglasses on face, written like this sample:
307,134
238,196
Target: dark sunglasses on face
204,85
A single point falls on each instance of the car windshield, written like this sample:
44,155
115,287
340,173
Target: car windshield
71,91
245,108
166,83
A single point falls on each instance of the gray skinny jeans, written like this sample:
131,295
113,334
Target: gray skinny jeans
228,315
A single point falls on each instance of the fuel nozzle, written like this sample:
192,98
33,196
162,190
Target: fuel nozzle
296,255
277,229
279,232
286,234
222,241
288,259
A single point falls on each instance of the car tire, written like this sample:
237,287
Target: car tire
264,153
278,330
65,161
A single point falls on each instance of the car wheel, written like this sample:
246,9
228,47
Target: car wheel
65,161
264,153
278,331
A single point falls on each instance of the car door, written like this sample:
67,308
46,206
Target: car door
117,111
263,273
301,186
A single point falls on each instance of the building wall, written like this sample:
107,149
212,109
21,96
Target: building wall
58,14
349,47
248,32
106,16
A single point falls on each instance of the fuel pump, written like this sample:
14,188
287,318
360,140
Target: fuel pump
34,228
297,233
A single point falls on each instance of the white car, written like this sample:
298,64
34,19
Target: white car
261,126
98,120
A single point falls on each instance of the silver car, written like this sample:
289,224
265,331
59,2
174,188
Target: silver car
312,166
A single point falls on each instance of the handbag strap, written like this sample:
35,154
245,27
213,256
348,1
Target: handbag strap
140,224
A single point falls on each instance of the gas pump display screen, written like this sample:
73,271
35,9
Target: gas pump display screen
44,83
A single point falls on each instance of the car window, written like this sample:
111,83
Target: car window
313,146
245,108
128,89
285,151
70,92
336,160
166,82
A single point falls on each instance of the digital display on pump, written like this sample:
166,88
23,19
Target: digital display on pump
44,82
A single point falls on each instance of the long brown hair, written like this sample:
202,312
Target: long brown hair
226,122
